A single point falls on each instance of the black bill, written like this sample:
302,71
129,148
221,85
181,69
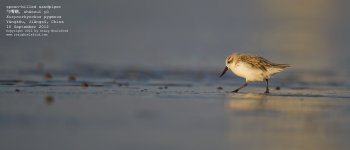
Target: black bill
224,71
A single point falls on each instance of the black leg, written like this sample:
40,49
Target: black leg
241,87
267,86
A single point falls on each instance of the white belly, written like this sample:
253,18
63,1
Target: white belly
246,71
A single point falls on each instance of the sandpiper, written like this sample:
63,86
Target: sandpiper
252,68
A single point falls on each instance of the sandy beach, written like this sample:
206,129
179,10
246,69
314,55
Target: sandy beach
162,112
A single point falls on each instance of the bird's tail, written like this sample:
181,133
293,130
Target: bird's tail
277,68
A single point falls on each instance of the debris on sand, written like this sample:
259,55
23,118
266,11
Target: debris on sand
49,100
47,76
71,78
84,84
17,90
219,88
163,87
278,88
123,84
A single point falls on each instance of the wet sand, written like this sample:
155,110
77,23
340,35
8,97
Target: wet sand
67,92
164,113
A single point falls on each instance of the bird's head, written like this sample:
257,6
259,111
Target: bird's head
229,62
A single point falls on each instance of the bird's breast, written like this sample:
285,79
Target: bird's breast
246,71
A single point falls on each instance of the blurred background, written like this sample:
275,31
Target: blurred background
40,108
186,34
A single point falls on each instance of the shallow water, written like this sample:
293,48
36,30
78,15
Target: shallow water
165,112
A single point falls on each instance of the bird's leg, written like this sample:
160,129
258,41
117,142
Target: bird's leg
241,87
267,86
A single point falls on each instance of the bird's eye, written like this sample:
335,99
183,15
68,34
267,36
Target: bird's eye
229,61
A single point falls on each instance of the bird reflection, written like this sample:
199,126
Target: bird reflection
259,121
249,101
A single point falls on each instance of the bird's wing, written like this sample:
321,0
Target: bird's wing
257,62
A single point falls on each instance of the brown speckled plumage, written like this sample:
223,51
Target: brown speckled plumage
252,68
260,62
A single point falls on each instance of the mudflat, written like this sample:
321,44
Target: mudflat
185,111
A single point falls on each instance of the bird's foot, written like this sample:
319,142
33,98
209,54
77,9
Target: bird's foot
267,91
235,91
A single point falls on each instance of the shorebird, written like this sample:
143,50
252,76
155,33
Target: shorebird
252,68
